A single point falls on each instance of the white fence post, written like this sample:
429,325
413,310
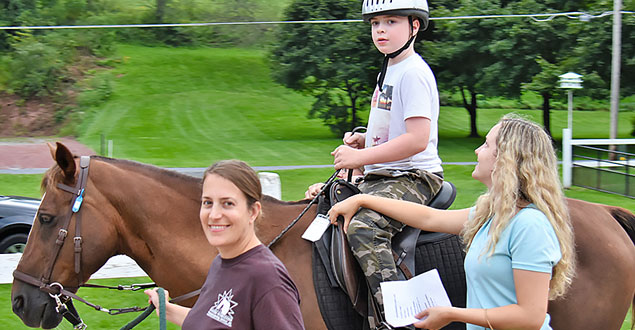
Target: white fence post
270,183
566,158
110,148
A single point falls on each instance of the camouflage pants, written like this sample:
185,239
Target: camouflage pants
370,233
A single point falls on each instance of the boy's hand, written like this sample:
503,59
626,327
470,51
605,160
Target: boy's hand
356,140
346,157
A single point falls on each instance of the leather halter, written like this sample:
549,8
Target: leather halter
44,283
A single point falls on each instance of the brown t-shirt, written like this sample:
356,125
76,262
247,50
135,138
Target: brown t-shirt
251,291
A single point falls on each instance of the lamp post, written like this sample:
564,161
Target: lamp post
568,81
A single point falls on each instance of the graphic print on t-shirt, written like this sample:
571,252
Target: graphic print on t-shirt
379,119
223,309
382,100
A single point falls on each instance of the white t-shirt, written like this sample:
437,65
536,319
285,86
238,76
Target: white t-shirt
410,90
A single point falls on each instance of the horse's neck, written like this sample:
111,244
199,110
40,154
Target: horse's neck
277,215
158,223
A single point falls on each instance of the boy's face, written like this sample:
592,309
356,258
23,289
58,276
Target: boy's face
391,32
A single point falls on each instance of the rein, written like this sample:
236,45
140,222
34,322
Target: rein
284,231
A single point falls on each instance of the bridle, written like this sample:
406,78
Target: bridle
55,289
63,297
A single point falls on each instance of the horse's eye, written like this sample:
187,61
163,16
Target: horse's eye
46,218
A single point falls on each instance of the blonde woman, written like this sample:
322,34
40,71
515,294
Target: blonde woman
518,237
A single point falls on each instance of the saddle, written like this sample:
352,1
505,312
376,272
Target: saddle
342,268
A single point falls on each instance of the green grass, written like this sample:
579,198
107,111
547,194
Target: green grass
191,107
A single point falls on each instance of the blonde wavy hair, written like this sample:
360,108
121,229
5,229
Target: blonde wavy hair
525,171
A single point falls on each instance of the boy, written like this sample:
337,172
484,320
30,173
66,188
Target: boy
399,150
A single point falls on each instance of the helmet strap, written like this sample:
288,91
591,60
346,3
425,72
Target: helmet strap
387,57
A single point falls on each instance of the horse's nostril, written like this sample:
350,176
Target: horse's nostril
18,304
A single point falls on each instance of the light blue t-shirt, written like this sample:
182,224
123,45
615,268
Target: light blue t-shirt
529,243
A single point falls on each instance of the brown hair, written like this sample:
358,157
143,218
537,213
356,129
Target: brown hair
241,175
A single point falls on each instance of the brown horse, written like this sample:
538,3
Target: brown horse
151,215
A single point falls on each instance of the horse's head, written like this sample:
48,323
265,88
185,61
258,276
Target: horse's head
56,252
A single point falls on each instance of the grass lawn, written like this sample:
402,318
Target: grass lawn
191,107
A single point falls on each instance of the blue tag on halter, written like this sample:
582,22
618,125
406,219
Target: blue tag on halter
78,201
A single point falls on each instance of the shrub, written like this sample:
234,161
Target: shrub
97,91
35,68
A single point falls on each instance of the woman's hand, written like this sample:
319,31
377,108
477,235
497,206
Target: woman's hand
154,298
346,208
313,190
436,318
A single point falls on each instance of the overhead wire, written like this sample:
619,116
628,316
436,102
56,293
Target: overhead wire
536,17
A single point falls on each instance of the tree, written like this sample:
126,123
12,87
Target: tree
532,51
499,57
159,13
12,13
460,53
592,52
545,83
336,63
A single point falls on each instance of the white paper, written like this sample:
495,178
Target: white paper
317,228
405,299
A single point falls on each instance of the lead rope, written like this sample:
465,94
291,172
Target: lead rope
148,311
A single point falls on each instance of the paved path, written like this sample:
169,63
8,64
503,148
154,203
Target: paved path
34,153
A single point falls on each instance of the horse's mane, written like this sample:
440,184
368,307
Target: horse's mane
147,168
54,174
269,199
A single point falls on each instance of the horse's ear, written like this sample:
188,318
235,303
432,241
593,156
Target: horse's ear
65,161
52,149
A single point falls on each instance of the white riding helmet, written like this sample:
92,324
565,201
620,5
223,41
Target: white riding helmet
416,8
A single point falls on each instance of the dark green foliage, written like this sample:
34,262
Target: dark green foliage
35,68
12,13
504,56
335,63
37,60
97,91
592,54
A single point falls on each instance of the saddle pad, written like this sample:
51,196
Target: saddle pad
444,253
